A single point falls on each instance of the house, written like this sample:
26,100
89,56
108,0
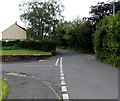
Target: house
14,32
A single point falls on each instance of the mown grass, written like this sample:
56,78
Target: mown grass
23,52
4,89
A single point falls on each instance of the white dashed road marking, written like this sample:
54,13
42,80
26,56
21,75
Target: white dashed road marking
65,97
61,71
64,89
61,62
57,61
63,84
61,74
62,78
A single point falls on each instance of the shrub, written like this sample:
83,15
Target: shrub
107,40
9,43
28,44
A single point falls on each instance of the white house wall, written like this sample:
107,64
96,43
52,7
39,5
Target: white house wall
14,32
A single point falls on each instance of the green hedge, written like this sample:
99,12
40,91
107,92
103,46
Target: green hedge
34,45
107,40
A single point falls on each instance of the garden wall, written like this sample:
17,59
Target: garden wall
10,58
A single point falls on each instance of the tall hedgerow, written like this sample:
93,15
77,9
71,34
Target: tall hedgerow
107,40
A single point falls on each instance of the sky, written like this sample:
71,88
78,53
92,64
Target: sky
10,11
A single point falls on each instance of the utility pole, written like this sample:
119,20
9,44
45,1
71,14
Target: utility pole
114,7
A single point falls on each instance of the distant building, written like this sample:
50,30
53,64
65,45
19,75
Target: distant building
14,32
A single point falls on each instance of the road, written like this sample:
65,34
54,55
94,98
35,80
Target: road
71,75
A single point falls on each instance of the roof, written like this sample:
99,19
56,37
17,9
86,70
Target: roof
21,27
16,25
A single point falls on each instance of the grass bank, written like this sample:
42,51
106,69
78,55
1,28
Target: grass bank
23,52
4,89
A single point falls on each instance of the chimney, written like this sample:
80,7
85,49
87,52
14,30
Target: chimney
16,22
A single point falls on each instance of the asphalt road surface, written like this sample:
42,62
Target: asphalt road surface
68,75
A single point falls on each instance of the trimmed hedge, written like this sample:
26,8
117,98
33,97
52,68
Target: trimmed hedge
28,44
107,40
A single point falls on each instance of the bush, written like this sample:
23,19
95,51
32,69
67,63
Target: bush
28,44
107,40
10,43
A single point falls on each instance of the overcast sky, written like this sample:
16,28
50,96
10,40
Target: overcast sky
10,11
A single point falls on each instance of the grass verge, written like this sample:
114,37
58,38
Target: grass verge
23,52
4,89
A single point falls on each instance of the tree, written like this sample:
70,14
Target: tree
41,17
60,33
117,6
76,34
99,11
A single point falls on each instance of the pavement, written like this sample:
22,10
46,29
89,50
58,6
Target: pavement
68,75
27,87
